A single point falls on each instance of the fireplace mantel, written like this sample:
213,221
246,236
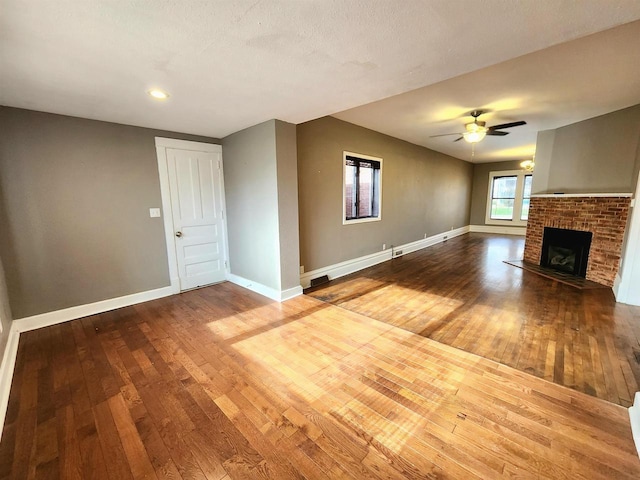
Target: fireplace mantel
580,195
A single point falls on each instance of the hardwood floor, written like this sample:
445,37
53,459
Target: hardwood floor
460,293
220,383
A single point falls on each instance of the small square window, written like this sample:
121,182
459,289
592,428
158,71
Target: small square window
362,188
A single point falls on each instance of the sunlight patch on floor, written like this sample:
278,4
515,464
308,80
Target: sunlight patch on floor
408,305
343,290
246,322
355,369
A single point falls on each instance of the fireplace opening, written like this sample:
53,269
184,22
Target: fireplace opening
566,250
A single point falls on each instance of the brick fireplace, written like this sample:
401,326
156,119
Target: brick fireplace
604,216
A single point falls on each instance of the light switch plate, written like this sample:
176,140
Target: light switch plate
154,212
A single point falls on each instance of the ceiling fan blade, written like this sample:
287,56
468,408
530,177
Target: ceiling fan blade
443,135
497,133
458,139
508,125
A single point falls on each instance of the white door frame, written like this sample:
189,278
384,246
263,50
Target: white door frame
162,144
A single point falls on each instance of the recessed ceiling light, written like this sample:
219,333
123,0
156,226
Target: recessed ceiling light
158,94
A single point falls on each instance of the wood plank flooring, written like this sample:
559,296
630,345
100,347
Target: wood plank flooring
460,293
220,383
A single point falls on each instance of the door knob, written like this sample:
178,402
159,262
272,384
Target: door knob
178,234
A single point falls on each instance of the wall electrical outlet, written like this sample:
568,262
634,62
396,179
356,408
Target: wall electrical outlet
301,269
384,246
154,212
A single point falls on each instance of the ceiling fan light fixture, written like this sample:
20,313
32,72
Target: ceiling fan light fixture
475,132
528,165
475,136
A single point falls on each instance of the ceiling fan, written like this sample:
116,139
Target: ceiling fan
477,130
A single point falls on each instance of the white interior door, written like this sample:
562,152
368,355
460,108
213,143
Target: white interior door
195,184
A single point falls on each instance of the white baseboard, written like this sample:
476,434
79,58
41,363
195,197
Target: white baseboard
290,293
272,293
616,286
429,241
625,287
498,229
351,266
59,316
345,268
6,372
634,417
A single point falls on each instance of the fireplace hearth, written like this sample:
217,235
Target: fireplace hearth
566,250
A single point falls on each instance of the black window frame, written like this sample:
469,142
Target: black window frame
359,161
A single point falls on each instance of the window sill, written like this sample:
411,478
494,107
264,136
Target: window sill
506,223
361,220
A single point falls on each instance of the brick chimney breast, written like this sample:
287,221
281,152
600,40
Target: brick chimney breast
604,216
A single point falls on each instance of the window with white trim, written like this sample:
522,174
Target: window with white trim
362,189
526,197
508,199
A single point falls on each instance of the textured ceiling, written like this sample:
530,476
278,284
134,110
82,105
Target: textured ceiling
548,89
232,64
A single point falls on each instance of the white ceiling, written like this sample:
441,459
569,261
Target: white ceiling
548,89
232,64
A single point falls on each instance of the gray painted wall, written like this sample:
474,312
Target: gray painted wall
481,187
598,155
250,178
423,192
74,208
287,166
544,152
